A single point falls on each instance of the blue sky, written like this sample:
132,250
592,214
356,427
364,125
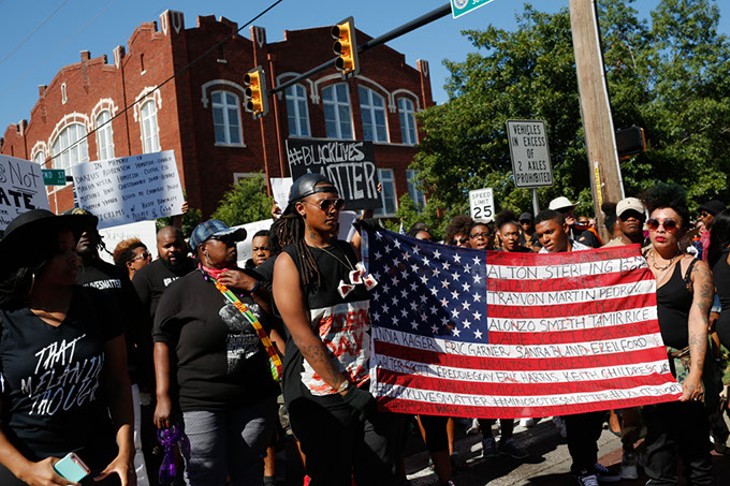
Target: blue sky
37,38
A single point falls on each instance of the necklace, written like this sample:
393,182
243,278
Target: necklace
346,264
662,267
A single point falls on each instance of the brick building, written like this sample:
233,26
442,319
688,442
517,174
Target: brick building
199,113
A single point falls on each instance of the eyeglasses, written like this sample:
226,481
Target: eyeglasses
142,256
459,241
704,214
480,235
326,204
669,224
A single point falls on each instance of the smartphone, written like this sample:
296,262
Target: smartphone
72,468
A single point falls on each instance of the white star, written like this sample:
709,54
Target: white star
424,317
433,290
376,295
406,255
424,279
477,260
423,298
466,323
444,284
414,306
386,268
467,268
477,278
414,325
404,313
437,254
376,316
477,316
376,275
426,261
477,297
378,255
478,334
404,271
414,286
378,235
404,293
444,302
386,308
386,287
395,280
455,313
395,301
414,268
455,276
456,332
416,249
396,244
434,329
465,286
465,305
388,249
457,258
435,271
454,295
446,265
433,311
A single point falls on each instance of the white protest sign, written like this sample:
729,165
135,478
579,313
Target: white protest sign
243,248
21,188
528,147
144,230
280,187
481,203
129,189
346,231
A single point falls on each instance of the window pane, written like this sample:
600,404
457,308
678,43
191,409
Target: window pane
388,195
226,117
296,108
372,107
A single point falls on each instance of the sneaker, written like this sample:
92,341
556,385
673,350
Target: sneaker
528,422
586,479
605,475
489,447
473,427
629,466
508,448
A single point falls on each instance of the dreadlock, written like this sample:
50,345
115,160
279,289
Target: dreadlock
290,230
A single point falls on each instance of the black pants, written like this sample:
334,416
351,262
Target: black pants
584,430
677,428
435,428
338,444
506,428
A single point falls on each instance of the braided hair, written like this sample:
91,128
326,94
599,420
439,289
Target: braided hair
289,230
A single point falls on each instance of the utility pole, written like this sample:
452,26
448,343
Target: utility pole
604,169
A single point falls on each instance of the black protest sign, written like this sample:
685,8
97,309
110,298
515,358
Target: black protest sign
349,165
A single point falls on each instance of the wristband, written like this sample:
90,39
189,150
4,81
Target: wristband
343,386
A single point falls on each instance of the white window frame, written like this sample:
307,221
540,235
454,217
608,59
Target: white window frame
63,157
372,104
297,111
149,127
225,106
387,180
408,127
342,121
418,197
104,135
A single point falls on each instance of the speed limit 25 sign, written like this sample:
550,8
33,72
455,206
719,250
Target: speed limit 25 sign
481,203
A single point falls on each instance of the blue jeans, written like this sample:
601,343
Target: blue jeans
229,443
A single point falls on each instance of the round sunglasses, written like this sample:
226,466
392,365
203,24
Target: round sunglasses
669,224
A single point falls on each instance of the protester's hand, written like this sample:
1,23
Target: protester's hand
360,400
41,473
570,220
237,279
163,410
275,211
692,388
122,467
184,209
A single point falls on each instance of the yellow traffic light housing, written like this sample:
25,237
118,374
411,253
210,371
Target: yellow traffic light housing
256,95
346,48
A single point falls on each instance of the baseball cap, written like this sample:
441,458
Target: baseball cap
91,219
214,227
629,204
306,185
525,217
560,203
712,207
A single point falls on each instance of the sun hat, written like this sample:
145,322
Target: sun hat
214,227
561,202
713,207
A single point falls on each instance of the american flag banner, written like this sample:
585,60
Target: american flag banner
469,333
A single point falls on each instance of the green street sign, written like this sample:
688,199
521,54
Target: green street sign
461,7
54,177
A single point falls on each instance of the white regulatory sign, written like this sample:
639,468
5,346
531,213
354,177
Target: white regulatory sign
481,203
528,147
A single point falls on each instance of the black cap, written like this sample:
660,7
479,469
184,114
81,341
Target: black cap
525,217
306,185
713,207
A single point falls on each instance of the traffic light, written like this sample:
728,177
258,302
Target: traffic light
346,47
256,95
630,141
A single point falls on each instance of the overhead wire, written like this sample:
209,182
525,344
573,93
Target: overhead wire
33,32
213,48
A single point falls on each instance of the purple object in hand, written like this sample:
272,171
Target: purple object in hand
167,439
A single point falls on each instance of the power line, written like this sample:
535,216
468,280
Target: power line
213,48
33,32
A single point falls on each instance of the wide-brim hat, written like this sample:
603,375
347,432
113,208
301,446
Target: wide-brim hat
27,236
561,202
713,207
214,228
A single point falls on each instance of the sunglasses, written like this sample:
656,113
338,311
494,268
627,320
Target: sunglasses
142,256
326,204
480,235
704,214
669,224
459,241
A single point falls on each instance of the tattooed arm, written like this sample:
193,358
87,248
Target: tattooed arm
289,300
703,292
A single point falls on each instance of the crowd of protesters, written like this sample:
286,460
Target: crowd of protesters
167,371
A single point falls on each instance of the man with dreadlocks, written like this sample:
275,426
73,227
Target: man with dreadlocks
326,363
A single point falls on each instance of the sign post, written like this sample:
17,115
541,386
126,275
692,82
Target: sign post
528,148
481,204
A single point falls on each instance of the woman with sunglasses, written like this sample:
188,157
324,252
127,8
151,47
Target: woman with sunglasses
221,364
323,300
457,232
684,294
131,255
63,366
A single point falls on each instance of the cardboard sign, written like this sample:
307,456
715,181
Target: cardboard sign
129,189
144,230
481,203
528,147
21,188
349,165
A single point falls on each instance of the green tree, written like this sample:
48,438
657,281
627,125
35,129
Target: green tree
245,202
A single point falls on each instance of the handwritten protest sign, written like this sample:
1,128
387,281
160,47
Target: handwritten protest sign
146,231
130,189
280,187
349,165
21,188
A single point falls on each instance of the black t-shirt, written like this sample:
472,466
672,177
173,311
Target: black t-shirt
588,238
115,283
152,280
221,362
51,378
343,325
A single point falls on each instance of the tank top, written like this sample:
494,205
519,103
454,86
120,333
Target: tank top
674,300
721,274
343,325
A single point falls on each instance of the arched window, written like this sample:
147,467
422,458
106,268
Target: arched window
372,107
226,118
39,157
104,135
65,151
150,128
337,117
409,133
296,111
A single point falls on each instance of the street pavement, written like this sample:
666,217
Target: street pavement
548,464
